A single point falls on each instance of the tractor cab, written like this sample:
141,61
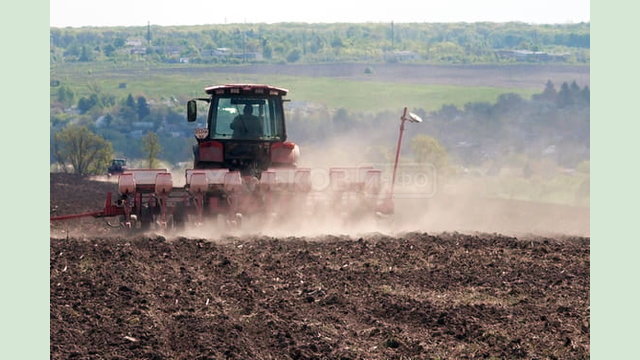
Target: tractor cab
245,129
117,166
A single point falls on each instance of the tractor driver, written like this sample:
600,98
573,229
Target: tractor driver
246,125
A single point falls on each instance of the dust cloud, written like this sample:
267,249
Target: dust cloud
462,212
424,201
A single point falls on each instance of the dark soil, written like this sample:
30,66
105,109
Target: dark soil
73,194
410,296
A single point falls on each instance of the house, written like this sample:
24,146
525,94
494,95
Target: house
405,55
141,50
401,55
173,51
133,43
218,52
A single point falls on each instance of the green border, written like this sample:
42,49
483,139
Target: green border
24,332
24,246
615,196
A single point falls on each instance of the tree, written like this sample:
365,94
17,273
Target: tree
508,102
267,51
574,88
565,97
119,42
427,149
446,51
293,56
85,151
85,104
336,42
342,120
585,95
317,43
142,107
85,55
151,147
109,50
549,93
65,95
130,102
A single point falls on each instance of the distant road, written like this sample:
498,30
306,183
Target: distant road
512,76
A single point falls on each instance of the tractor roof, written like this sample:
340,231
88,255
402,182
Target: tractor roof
245,89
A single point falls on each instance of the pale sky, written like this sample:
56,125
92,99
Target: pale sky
195,12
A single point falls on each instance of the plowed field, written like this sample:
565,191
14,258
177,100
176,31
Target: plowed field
412,295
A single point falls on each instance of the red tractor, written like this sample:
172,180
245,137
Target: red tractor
243,166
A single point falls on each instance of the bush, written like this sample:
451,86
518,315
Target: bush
427,149
85,151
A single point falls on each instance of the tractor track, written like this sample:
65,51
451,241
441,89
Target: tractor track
414,295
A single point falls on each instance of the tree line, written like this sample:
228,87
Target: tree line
81,151
123,121
553,124
315,43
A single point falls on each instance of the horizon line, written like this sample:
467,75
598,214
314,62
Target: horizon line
569,22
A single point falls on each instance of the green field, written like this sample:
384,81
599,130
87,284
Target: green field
165,82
